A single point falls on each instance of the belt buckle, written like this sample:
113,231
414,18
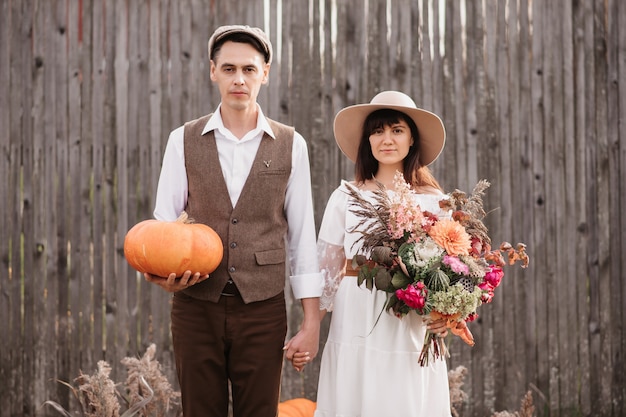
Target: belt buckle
234,288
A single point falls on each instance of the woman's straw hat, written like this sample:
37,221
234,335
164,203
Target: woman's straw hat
349,121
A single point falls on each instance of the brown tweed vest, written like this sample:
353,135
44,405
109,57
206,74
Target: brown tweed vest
253,232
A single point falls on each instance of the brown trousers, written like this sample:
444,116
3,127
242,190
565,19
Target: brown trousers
215,343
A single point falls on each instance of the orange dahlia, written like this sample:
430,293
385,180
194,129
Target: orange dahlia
451,236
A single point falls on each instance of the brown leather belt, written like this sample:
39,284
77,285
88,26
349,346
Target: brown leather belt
230,289
351,272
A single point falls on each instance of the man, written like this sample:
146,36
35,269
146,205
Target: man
248,178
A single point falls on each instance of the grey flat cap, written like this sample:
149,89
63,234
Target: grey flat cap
258,34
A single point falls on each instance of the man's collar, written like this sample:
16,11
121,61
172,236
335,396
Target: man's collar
217,123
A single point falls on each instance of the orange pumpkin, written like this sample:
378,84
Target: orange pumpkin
160,247
296,407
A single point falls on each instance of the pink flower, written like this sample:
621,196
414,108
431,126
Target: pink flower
487,292
404,218
494,276
429,220
456,265
413,296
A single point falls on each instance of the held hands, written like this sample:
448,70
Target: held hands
303,347
174,284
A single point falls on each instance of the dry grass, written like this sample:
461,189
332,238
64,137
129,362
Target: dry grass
456,379
146,392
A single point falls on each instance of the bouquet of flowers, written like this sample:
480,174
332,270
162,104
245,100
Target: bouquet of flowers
441,266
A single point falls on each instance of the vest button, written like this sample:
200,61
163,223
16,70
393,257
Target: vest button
234,221
233,245
231,269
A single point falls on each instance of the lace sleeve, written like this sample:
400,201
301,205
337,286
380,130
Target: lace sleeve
333,266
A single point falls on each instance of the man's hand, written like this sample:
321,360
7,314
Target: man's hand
174,284
303,347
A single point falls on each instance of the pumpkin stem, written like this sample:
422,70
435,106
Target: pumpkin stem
184,218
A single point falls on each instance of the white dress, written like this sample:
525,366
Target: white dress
370,363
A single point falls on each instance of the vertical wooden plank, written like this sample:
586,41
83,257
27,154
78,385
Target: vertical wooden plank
199,60
317,147
400,32
110,203
620,16
377,75
121,299
139,145
184,56
508,104
520,181
327,160
318,128
553,141
302,63
6,379
425,99
157,308
286,115
539,225
457,130
448,171
86,275
602,179
134,144
614,213
470,81
438,9
42,185
475,86
583,290
49,307
176,66
26,272
166,98
507,388
566,225
488,168
8,308
593,211
97,15
74,218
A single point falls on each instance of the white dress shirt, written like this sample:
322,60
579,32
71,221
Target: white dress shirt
236,157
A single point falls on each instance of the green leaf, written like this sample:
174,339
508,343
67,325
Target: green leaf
382,255
399,280
382,279
406,252
358,260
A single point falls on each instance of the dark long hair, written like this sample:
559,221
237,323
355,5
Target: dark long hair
366,166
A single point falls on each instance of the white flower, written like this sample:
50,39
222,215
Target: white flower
425,250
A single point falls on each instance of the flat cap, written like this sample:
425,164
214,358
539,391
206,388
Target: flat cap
223,32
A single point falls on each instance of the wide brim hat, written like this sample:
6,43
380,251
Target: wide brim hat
348,126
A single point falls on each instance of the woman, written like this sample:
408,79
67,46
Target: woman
370,362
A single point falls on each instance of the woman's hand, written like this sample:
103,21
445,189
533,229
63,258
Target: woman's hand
300,360
174,284
438,327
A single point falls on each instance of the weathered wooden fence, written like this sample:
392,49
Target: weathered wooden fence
533,94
